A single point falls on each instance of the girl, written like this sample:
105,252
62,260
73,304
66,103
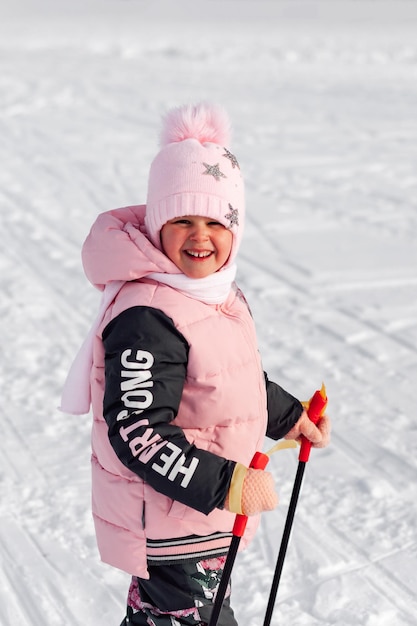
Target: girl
180,401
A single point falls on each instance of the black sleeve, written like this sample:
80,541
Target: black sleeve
283,410
145,368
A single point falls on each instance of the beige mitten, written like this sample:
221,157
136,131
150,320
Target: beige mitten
251,491
319,434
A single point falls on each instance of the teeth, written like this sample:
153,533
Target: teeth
199,255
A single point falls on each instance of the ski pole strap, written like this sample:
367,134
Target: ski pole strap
236,488
282,445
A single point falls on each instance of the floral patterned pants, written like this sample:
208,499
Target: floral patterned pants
178,595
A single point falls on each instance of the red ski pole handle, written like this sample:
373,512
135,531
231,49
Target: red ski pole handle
259,461
315,412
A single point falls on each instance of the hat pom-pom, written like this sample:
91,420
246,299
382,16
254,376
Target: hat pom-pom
207,123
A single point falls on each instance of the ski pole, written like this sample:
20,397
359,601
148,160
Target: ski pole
259,461
315,411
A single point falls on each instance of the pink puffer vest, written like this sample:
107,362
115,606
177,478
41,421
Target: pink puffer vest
223,409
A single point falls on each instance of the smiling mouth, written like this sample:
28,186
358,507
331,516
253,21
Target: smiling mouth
199,255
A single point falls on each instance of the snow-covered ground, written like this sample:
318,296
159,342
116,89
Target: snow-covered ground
323,96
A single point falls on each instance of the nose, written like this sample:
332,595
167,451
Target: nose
199,232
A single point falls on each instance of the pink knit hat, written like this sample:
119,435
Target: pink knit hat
195,173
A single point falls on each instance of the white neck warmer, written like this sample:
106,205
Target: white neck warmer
212,289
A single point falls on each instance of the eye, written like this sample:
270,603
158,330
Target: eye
214,223
181,220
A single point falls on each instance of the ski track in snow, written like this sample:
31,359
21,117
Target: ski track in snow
323,102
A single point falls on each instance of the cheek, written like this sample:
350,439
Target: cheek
166,242
227,243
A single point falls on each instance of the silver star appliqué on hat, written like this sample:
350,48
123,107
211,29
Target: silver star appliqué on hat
213,170
233,216
233,160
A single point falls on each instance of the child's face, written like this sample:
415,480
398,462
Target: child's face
199,246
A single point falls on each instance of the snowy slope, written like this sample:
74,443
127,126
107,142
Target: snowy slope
323,96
